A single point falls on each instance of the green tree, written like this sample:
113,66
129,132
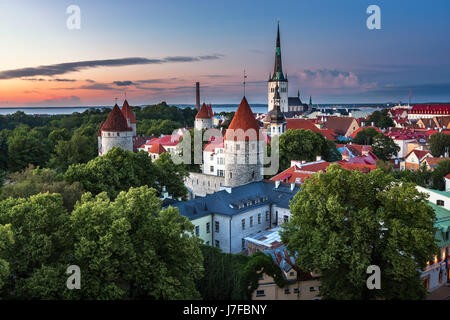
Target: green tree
41,247
27,147
171,176
4,150
118,170
32,181
303,145
222,279
6,240
344,221
384,147
381,119
439,144
365,137
131,248
437,177
79,149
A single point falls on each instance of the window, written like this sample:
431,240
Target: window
118,134
287,291
197,231
312,289
212,168
207,243
251,222
296,290
208,227
267,215
440,203
243,224
261,276
260,293
217,226
238,147
243,244
292,273
259,218
286,218
217,244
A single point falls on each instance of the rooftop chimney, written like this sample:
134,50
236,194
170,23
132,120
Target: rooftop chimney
197,96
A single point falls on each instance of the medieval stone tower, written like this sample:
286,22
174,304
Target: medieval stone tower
278,79
204,118
115,132
243,148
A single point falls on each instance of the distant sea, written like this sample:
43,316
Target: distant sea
257,108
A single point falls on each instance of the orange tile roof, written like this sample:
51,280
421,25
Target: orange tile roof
157,148
307,124
243,119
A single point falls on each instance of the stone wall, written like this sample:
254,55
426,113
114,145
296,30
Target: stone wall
199,184
123,140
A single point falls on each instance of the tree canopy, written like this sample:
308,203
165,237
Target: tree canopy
439,144
365,137
338,230
119,169
304,145
380,119
384,147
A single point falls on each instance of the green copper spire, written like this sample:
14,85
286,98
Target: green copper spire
278,69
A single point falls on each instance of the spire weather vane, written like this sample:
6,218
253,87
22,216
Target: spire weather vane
245,77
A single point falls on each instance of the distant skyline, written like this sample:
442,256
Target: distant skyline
156,50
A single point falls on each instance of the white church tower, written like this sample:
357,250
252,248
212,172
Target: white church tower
278,79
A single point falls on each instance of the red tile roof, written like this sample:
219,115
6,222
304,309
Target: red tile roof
157,148
127,112
448,176
243,119
115,122
430,109
307,124
340,125
205,112
419,153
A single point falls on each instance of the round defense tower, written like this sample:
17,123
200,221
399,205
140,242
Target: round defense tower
115,132
243,148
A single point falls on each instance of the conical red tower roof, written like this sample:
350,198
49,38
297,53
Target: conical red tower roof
205,112
127,112
243,119
116,122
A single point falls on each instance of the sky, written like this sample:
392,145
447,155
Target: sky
153,51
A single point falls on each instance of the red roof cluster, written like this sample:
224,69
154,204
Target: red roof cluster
299,172
205,112
307,124
243,119
430,109
115,122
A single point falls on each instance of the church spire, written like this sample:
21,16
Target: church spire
278,69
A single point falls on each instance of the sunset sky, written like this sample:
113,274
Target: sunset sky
157,50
